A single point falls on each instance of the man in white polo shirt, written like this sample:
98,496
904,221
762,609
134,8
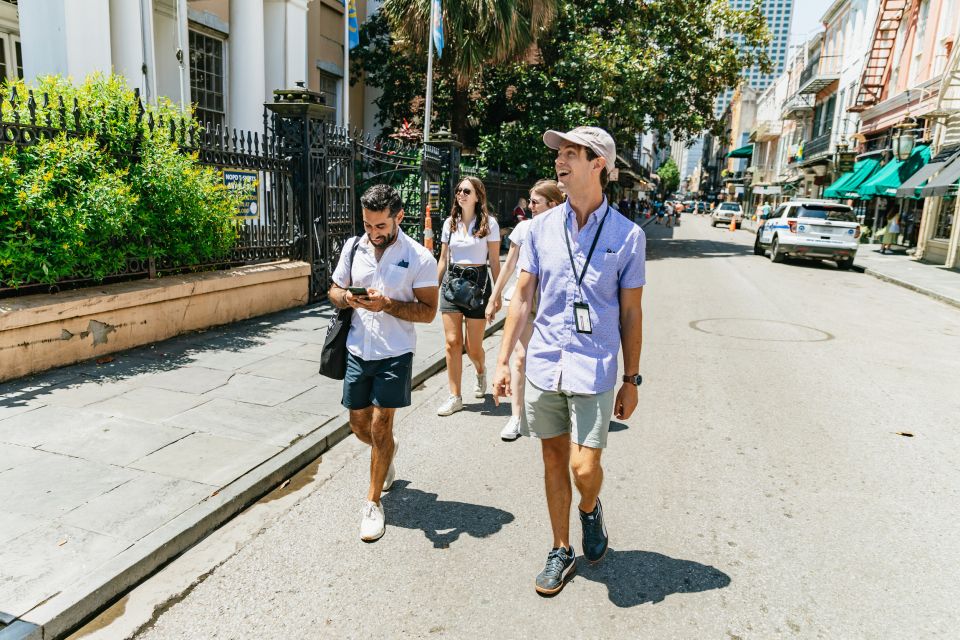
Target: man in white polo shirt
399,277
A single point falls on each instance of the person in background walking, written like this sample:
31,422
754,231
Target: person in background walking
543,196
586,261
470,240
520,211
891,232
400,279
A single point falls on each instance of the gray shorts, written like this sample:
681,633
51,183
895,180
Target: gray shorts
586,417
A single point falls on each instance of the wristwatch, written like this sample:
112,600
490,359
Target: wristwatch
637,379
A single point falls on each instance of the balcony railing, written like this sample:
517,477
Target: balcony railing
818,146
819,73
797,107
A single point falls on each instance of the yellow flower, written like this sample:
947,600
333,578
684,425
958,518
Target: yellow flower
48,176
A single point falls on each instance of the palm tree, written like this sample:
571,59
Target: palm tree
477,33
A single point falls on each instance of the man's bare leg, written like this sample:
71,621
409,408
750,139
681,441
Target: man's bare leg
587,474
381,454
556,476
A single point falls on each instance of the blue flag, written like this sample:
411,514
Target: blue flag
352,26
437,28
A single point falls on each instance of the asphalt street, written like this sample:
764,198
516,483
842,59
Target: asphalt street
791,472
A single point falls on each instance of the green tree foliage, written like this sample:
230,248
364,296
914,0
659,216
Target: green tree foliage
669,176
478,34
625,65
80,205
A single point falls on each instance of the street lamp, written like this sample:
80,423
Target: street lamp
904,138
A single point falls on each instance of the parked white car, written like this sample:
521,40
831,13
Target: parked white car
818,229
725,212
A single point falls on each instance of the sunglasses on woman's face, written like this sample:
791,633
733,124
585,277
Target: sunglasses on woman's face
464,190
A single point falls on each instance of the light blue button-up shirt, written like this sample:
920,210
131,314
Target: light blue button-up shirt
587,361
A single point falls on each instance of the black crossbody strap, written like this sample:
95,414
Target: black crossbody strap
353,252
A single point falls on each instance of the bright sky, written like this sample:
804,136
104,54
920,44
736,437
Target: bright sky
806,19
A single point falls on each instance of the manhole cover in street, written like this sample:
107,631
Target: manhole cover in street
758,329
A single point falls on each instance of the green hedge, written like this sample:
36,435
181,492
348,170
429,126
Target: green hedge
80,206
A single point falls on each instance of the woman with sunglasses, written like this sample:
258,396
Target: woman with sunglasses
470,240
544,195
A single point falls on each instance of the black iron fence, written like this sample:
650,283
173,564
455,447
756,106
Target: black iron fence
302,180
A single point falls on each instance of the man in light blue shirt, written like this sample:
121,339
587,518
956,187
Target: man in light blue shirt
586,261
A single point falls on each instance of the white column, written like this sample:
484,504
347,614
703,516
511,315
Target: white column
131,30
285,29
66,37
298,68
247,76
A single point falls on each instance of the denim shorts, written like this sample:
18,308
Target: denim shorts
385,383
586,417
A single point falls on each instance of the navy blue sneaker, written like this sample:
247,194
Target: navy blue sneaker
561,564
595,538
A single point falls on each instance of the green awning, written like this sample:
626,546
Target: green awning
889,178
742,152
862,171
832,190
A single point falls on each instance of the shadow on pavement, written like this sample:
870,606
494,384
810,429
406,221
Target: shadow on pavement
489,408
442,521
617,426
639,577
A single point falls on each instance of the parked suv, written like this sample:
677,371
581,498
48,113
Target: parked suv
818,229
725,212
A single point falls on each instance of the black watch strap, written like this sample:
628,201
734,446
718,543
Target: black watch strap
637,379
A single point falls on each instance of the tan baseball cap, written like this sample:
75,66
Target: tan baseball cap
593,138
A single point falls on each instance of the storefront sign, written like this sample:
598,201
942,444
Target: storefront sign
845,162
244,183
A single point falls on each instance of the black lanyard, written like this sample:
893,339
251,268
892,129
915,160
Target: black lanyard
573,264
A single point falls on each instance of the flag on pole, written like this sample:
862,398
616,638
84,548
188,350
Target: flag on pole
352,27
437,29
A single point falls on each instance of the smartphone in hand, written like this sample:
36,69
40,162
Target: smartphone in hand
358,291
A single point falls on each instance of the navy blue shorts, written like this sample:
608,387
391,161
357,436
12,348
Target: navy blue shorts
385,383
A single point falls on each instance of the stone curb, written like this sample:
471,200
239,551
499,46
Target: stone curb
908,285
74,606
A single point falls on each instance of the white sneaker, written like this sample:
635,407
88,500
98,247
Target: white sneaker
392,471
372,525
480,389
451,406
511,430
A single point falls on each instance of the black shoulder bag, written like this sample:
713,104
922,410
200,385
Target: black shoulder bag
464,290
333,357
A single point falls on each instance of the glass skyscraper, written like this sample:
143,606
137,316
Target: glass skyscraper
779,14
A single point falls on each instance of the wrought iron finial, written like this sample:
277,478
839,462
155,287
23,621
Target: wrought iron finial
32,108
46,109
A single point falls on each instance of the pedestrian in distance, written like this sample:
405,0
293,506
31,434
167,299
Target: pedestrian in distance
891,232
391,283
470,249
544,195
586,262
520,211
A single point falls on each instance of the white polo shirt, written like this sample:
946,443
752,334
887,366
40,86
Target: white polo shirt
403,267
463,246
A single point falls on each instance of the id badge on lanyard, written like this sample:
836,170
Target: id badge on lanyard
581,310
581,317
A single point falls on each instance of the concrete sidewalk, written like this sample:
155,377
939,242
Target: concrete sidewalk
110,469
898,268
